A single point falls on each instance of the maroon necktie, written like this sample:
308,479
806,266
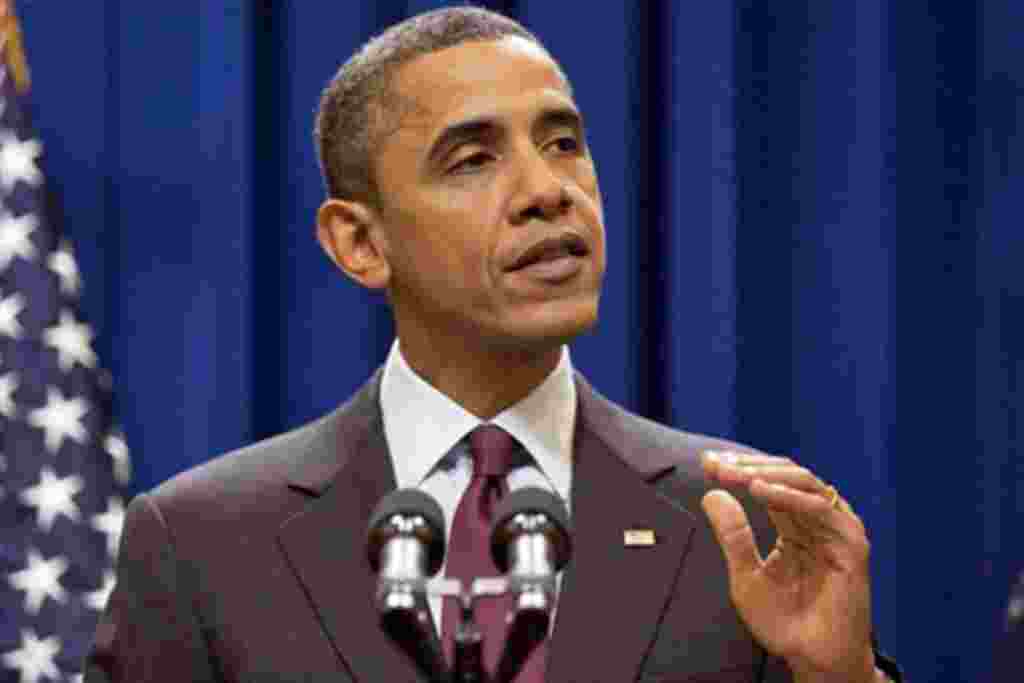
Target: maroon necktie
469,550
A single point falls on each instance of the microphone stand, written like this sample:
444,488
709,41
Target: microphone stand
469,644
403,614
530,542
530,623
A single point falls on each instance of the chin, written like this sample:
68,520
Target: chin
548,328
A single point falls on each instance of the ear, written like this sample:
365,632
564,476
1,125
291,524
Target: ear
351,236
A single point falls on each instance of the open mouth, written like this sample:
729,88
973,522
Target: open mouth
566,247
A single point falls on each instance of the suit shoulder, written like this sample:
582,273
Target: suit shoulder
648,446
227,479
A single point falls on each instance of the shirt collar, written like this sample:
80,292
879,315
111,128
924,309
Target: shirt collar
422,424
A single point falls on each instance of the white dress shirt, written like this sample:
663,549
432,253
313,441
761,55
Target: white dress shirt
426,434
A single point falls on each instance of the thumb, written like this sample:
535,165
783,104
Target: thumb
732,529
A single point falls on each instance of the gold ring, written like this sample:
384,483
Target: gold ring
833,496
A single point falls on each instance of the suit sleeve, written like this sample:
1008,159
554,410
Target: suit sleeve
149,630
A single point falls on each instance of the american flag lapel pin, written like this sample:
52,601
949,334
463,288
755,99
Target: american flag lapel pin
639,538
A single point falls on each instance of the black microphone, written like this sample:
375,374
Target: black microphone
530,542
405,546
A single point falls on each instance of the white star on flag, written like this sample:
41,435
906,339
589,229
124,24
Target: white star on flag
40,580
117,449
110,524
8,385
62,262
97,599
72,340
60,419
10,308
14,239
59,486
35,658
18,161
52,497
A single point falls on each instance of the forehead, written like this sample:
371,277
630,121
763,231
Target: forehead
492,78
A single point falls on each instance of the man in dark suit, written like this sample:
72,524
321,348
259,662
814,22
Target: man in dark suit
461,185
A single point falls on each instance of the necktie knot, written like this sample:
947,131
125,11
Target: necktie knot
492,449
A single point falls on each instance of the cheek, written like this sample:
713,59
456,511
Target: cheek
466,231
447,248
587,178
588,199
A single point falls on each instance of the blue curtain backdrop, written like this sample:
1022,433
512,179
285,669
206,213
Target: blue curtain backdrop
814,227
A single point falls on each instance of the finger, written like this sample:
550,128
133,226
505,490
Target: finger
802,479
757,459
790,500
720,465
807,518
838,539
741,458
793,476
799,516
795,532
732,529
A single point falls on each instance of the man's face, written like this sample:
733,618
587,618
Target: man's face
491,206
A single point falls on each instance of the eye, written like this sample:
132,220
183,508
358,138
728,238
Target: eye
470,163
566,144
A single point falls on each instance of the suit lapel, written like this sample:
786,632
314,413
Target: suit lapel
613,595
349,470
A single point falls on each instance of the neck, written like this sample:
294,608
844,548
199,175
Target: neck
483,383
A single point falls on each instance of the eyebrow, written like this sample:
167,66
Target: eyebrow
482,126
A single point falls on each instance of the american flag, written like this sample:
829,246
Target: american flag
63,461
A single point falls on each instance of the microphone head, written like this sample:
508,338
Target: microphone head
427,525
531,501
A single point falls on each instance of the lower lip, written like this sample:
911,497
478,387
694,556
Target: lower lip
554,271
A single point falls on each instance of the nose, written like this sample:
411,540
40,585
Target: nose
542,194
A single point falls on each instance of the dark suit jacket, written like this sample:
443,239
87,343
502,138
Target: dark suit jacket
252,566
1010,644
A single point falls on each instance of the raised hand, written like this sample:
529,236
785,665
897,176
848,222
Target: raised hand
809,600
